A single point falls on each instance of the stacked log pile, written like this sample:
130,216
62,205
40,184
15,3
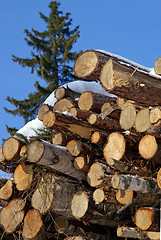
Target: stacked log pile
96,175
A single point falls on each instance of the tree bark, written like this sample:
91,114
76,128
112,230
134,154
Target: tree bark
129,232
58,121
123,81
52,157
126,182
79,113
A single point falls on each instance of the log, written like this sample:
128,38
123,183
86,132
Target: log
52,157
79,113
7,190
79,205
111,110
157,66
127,117
106,123
142,121
115,146
155,114
124,196
159,178
91,101
125,82
12,215
75,238
98,138
43,197
61,138
63,92
89,64
98,175
11,149
129,232
62,122
23,151
104,196
44,108
150,149
64,104
2,158
83,162
23,177
61,224
76,148
125,167
33,226
134,183
147,218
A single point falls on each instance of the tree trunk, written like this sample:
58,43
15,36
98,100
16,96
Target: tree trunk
147,218
52,157
63,92
91,101
123,81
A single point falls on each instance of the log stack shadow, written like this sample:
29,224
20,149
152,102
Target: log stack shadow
96,174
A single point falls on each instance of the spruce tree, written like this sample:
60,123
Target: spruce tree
51,58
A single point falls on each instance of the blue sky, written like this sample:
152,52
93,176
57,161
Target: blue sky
131,29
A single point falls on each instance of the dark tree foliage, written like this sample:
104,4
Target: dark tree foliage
52,59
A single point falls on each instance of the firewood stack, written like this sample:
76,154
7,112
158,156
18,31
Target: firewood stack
97,175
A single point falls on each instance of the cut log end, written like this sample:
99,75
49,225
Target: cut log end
115,181
63,105
11,148
144,218
157,66
74,147
155,114
79,204
148,146
98,195
159,178
127,117
94,175
6,190
42,111
115,146
32,224
85,64
107,75
85,101
35,151
59,93
142,121
124,196
49,119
